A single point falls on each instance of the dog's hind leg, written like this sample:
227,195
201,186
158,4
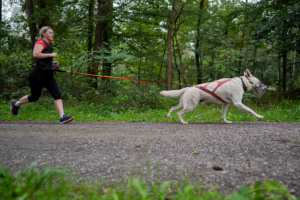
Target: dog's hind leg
179,106
189,104
224,110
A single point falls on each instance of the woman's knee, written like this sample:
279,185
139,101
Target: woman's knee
33,98
56,95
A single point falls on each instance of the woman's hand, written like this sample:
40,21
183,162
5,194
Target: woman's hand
54,55
55,64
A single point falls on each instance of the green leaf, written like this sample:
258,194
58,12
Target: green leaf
235,196
162,189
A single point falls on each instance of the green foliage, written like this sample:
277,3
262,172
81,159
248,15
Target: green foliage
28,184
261,190
234,36
50,183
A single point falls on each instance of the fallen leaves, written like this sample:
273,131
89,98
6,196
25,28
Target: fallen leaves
195,152
217,168
105,190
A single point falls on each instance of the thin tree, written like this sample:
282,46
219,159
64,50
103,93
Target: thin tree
32,25
1,85
107,33
0,10
198,45
169,43
177,43
90,36
44,17
98,38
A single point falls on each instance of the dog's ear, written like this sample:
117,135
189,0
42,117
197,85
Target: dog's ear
248,73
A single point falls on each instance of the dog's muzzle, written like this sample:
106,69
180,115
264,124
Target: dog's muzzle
260,90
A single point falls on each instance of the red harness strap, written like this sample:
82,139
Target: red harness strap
213,92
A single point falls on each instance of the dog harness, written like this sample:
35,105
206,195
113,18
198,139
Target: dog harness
213,92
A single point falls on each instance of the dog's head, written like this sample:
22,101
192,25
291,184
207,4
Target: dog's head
257,87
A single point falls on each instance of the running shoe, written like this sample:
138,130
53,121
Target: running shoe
14,109
66,119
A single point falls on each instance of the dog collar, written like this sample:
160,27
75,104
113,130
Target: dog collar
244,86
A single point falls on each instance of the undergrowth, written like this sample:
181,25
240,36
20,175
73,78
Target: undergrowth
279,111
146,104
52,183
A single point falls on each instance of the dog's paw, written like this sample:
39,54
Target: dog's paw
166,116
227,122
184,122
260,117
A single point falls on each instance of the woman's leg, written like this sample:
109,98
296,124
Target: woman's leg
36,85
59,106
54,90
23,100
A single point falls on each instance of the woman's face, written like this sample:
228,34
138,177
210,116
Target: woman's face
48,35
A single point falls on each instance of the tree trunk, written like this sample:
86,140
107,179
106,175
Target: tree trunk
294,64
240,62
90,38
169,41
45,17
254,60
98,39
283,52
279,74
32,25
180,57
175,62
284,71
1,76
162,59
107,27
197,47
0,10
91,27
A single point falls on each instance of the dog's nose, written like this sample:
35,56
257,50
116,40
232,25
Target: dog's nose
262,86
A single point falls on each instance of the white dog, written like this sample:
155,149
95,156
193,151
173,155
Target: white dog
223,91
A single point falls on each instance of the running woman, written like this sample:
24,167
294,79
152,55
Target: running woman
41,75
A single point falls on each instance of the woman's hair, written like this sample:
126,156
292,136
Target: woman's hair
42,30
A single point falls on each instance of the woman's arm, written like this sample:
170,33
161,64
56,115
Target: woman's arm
37,52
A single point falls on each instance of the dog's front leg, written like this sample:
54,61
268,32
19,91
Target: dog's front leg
240,105
224,110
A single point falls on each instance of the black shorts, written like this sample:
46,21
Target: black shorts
38,80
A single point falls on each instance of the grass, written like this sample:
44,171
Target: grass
279,111
46,183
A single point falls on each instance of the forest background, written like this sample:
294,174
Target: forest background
174,41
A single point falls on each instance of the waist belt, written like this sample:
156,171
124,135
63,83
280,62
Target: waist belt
35,66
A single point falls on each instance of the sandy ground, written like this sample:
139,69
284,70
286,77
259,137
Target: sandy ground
246,152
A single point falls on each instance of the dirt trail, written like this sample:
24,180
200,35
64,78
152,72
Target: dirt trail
246,152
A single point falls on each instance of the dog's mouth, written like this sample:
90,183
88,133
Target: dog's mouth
260,90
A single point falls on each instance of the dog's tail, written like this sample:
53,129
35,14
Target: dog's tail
173,93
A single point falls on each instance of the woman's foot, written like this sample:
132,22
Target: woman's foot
13,108
65,119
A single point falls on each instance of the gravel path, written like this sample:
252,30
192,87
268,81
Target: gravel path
246,152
